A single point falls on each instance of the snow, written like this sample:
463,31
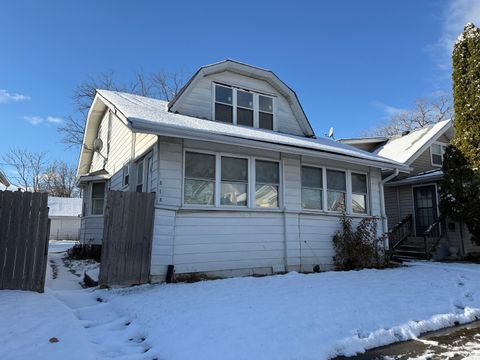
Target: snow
402,148
421,177
61,206
153,113
292,316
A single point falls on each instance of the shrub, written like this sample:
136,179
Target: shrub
358,248
84,252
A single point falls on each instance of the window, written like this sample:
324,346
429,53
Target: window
139,187
265,113
223,104
98,198
266,184
437,151
336,190
199,187
359,193
312,188
243,107
234,183
126,174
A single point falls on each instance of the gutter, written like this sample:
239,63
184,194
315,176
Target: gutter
382,204
157,129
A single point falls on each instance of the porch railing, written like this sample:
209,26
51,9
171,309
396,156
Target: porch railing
400,232
433,235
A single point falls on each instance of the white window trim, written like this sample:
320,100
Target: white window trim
251,203
143,159
90,208
127,167
431,152
367,199
256,105
348,192
322,188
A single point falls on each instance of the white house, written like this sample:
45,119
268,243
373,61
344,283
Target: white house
242,183
64,214
3,180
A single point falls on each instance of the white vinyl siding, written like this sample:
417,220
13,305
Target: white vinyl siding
199,101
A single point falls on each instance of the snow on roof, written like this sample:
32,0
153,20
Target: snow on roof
419,178
403,148
60,206
144,112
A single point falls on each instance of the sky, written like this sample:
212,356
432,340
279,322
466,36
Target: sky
352,63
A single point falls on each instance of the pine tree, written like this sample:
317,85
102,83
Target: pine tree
460,188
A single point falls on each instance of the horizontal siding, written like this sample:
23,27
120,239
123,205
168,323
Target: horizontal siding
198,103
91,230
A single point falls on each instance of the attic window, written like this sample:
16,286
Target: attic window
243,107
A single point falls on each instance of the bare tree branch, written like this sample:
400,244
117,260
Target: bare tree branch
426,111
59,179
161,85
28,167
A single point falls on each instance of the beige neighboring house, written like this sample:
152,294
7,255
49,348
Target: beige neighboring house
242,184
3,180
415,195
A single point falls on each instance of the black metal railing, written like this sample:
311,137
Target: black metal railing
433,235
401,232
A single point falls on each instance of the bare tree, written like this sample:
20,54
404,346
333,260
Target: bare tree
28,167
426,111
161,85
59,179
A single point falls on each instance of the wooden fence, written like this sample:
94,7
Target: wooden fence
127,239
24,231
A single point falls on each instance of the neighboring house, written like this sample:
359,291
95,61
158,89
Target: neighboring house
3,180
64,215
242,185
416,193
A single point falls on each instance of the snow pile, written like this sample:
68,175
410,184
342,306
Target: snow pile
300,316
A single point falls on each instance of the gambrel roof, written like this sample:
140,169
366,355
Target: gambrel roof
250,71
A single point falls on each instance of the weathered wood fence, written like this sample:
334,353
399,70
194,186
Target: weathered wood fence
127,238
24,231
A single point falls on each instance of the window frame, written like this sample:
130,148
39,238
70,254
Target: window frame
367,194
91,197
235,107
348,187
322,170
146,180
251,205
126,173
443,147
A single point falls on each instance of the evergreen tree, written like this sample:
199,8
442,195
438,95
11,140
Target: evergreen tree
460,188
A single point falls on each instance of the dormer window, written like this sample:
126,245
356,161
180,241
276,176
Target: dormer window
243,107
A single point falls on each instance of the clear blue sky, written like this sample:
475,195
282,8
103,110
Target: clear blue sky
350,62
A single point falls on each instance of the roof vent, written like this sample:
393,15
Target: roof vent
406,132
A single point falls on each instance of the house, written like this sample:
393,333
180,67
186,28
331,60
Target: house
3,180
242,183
64,214
416,194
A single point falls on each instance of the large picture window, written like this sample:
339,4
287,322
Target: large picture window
266,184
359,193
312,188
336,190
199,187
243,107
234,183
98,198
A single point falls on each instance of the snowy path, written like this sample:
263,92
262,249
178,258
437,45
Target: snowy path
111,335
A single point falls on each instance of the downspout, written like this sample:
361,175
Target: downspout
382,204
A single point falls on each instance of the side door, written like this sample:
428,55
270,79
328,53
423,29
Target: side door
425,203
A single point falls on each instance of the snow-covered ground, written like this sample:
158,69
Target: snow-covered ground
291,316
